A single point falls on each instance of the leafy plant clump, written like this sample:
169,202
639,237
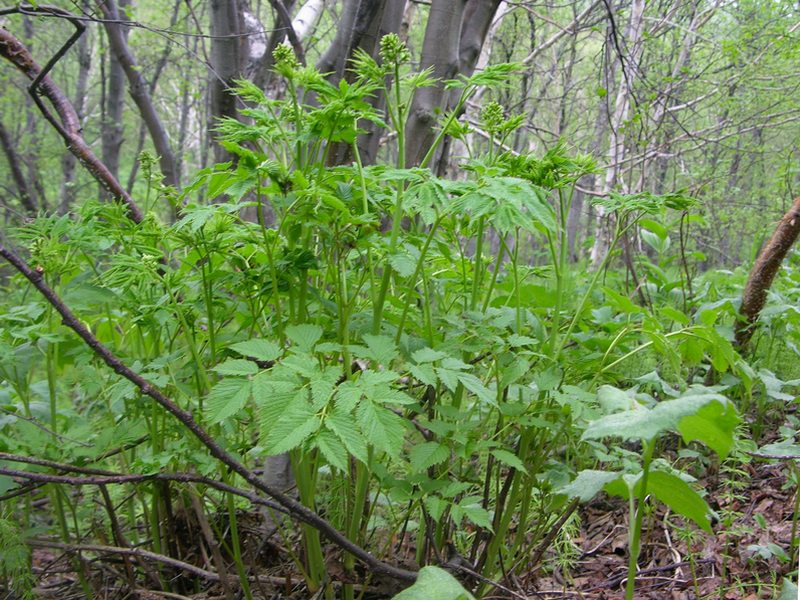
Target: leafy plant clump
422,350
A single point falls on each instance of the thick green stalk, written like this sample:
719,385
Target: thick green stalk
636,511
236,546
478,269
415,276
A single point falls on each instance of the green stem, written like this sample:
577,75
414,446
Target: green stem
236,547
477,272
636,511
415,277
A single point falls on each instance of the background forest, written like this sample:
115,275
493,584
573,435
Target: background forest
327,299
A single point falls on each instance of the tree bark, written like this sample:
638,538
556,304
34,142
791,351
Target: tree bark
68,161
763,273
358,28
440,50
113,126
26,197
477,30
616,146
68,124
228,49
139,90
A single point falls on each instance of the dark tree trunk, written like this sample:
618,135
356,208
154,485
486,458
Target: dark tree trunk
68,162
475,24
440,50
358,28
26,198
228,52
113,128
369,143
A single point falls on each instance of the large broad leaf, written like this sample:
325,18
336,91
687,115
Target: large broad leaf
434,583
713,424
692,415
680,497
788,591
668,489
588,484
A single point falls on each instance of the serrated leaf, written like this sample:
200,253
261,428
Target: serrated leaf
427,454
381,427
382,348
509,459
236,366
345,429
348,395
427,355
475,385
332,449
265,350
296,425
227,398
477,515
403,264
588,484
304,337
424,373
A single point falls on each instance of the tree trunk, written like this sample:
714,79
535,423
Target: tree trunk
68,162
358,28
228,49
440,50
616,146
763,273
26,198
139,90
113,127
477,22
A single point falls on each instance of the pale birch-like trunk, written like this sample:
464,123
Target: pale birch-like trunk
616,145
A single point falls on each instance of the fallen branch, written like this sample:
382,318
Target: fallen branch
119,479
295,508
763,273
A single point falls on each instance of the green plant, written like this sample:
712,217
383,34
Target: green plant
697,415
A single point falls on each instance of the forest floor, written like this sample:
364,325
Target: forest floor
740,561
734,564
